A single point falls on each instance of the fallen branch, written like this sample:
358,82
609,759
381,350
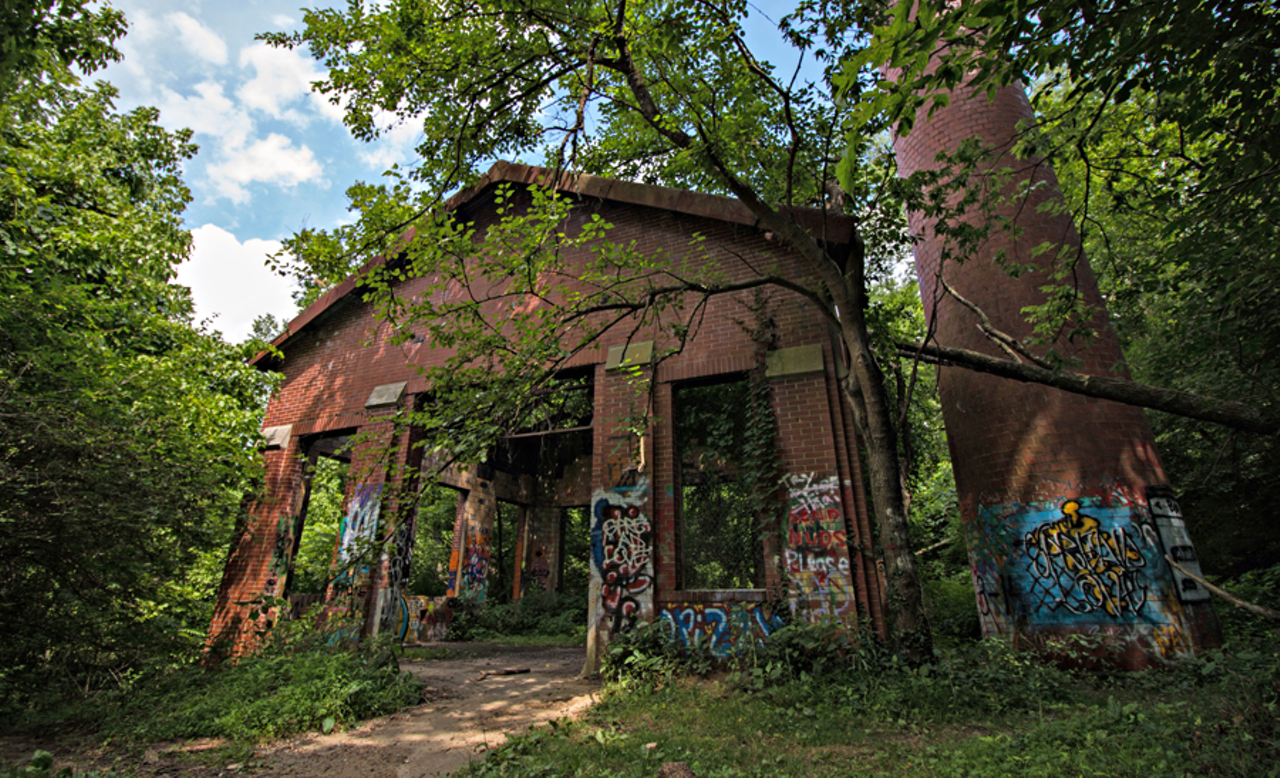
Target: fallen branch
935,546
508,671
1193,406
1231,598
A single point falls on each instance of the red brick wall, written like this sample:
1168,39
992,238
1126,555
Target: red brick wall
331,367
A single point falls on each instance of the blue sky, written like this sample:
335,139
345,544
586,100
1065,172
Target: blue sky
274,157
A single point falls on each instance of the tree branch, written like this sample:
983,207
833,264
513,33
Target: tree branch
1229,597
1006,342
1193,406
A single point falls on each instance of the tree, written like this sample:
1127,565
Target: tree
39,33
1193,317
1168,109
128,437
1161,121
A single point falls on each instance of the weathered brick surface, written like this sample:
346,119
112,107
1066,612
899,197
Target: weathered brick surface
1017,446
336,353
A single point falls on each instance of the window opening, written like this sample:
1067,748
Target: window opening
502,559
575,552
323,514
433,542
720,538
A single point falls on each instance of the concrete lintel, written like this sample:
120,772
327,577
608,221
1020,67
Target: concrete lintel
640,353
387,394
277,437
793,362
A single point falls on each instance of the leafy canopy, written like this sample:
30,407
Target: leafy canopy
129,436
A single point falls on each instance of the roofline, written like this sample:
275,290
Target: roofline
838,229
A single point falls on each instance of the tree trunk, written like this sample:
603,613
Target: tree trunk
907,624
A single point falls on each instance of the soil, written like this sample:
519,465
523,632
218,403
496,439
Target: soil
474,698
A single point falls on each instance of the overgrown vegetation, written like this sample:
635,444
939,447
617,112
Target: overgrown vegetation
562,617
811,702
128,432
305,677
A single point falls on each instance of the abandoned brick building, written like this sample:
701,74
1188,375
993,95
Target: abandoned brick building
335,388
1066,508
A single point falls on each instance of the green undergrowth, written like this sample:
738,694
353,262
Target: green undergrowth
41,766
538,618
302,679
811,704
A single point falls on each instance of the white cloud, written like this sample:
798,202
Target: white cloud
230,280
283,20
283,76
273,160
209,112
198,39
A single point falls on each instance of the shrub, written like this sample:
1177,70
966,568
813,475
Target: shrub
536,613
1260,587
268,694
646,657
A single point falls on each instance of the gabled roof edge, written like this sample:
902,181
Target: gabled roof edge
832,228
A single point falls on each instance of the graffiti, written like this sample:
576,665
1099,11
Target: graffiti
423,619
1167,515
474,575
990,539
817,557
360,526
279,567
398,567
1091,568
621,551
451,583
1090,559
723,629
536,574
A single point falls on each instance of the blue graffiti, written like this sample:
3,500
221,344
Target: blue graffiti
720,628
1071,562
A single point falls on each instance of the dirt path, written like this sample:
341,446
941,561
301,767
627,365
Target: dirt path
476,697
476,702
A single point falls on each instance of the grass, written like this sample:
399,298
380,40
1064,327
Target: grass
982,710
304,678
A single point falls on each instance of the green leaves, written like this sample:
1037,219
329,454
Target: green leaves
129,437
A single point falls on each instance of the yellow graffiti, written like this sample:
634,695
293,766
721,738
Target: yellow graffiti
1101,564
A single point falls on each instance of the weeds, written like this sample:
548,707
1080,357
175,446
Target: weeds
303,678
811,702
41,766
537,613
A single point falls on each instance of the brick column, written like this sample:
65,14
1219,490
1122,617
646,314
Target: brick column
472,538
258,564
622,569
824,579
361,558
1056,490
539,550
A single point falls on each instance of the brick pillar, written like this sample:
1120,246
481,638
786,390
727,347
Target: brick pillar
622,574
1056,490
258,564
397,532
539,552
360,569
824,578
472,538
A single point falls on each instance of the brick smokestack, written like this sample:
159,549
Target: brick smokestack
1056,490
